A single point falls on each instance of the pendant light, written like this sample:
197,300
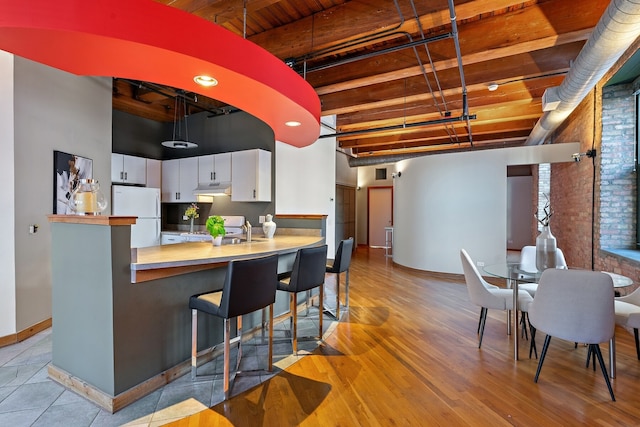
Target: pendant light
179,140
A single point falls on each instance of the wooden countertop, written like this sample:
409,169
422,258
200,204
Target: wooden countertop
170,260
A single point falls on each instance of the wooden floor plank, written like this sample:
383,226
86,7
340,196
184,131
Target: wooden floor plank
406,353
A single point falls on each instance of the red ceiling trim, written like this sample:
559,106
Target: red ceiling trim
146,40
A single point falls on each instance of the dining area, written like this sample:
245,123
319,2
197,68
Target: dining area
574,304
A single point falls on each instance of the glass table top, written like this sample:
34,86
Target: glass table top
512,271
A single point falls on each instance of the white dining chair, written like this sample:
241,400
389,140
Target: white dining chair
627,310
488,296
528,264
577,306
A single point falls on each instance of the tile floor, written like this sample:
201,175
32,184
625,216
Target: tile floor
29,398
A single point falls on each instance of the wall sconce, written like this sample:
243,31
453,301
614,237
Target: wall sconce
590,153
394,175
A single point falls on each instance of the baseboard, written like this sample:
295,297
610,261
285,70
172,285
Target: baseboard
25,333
115,403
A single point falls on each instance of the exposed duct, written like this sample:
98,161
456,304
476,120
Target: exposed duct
616,31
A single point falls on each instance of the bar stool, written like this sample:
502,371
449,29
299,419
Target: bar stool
341,264
249,285
308,272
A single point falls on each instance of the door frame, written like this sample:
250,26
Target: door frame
369,205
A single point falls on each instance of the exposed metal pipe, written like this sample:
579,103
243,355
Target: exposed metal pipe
400,126
617,29
392,158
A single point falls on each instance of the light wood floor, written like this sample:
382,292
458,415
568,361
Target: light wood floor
407,354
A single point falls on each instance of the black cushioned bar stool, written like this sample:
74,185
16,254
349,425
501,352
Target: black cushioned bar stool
341,264
249,285
308,272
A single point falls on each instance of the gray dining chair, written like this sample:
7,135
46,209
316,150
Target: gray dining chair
488,296
576,306
627,311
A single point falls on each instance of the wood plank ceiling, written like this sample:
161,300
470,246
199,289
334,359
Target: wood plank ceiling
388,69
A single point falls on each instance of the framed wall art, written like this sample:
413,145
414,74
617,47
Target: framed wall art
68,170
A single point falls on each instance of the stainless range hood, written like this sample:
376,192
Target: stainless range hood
213,189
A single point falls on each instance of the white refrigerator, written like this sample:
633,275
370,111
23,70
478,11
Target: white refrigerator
143,202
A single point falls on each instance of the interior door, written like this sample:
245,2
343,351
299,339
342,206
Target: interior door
380,201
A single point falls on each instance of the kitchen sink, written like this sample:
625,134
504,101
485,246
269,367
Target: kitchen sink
238,240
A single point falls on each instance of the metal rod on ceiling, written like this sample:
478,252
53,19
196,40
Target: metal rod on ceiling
381,52
450,131
401,126
456,42
352,43
151,87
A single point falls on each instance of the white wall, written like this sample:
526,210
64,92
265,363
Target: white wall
54,110
443,203
7,215
305,182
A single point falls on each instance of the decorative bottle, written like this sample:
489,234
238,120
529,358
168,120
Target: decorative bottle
546,247
269,227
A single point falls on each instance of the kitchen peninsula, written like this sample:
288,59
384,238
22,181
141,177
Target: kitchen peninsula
121,322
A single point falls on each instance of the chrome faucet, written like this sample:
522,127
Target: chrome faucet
247,228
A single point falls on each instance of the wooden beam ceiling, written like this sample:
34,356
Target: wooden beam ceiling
355,54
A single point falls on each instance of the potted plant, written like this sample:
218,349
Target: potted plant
215,227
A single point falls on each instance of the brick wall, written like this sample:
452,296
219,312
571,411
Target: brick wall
571,189
571,185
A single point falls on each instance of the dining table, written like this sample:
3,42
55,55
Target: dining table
514,275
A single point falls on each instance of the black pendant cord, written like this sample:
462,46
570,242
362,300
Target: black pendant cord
593,208
593,183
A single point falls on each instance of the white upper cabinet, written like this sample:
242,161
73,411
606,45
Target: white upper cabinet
128,169
251,176
179,179
214,168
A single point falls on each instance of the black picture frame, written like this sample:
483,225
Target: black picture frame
68,170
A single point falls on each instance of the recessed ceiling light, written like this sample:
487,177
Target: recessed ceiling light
492,86
206,81
293,123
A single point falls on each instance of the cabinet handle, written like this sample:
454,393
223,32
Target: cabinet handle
254,193
125,176
121,176
212,175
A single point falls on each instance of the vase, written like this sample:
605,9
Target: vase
191,225
217,241
546,248
87,199
269,227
